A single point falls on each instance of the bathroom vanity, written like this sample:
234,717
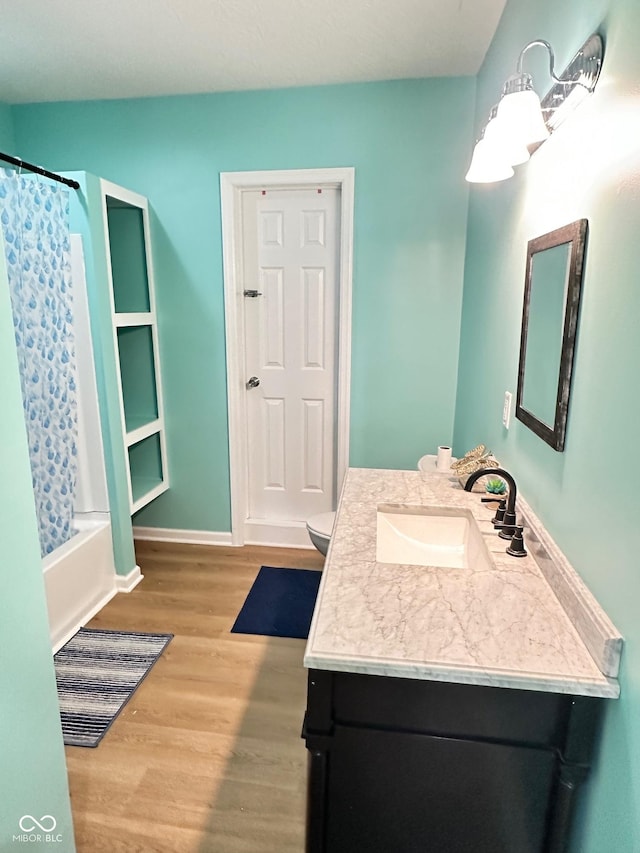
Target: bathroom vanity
450,707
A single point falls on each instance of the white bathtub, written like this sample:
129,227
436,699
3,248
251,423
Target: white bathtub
79,579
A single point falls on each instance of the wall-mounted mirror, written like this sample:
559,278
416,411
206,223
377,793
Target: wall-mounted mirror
552,285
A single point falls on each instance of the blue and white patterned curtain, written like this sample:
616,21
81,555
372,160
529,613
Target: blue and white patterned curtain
35,226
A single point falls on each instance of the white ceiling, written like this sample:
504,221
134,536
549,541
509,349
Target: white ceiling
54,50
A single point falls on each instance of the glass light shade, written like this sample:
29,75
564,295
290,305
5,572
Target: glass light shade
521,117
487,165
508,148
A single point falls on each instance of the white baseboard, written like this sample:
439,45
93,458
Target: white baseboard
270,534
292,534
125,583
187,537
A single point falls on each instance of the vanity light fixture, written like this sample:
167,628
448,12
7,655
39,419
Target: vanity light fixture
496,153
488,163
520,122
512,148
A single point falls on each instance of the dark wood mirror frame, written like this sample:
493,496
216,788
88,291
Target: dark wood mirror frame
574,234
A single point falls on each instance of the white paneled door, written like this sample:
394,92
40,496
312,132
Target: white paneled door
290,278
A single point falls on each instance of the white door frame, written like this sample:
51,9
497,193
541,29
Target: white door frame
232,185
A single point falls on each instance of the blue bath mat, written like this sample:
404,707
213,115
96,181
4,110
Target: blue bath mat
97,673
280,603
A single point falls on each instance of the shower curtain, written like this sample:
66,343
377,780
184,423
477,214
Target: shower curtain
34,218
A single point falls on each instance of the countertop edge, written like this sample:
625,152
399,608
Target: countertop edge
608,688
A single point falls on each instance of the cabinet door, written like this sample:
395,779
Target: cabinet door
406,793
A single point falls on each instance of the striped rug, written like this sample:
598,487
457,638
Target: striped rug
97,672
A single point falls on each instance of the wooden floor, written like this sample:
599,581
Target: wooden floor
207,756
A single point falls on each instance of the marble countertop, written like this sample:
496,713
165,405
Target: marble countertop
502,627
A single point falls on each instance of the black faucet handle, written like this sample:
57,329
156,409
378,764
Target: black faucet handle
502,506
516,547
498,518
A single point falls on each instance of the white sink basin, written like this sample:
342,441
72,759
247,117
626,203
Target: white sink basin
430,536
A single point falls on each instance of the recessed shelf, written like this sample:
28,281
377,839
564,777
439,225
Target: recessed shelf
148,496
128,257
147,472
137,372
142,319
142,429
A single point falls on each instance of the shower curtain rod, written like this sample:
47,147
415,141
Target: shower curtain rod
22,164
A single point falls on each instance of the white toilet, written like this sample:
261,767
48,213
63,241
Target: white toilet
320,528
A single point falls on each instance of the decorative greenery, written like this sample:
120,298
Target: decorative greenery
496,486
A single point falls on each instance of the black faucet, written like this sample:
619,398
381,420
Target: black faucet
509,521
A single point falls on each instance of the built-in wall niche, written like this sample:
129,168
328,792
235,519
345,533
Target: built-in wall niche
130,267
127,251
146,470
137,374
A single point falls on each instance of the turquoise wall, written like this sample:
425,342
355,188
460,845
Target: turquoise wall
588,495
408,141
7,140
33,777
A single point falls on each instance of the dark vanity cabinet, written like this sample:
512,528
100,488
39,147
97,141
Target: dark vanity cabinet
400,765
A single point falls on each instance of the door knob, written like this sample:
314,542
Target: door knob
253,382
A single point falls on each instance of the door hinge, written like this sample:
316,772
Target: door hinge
252,293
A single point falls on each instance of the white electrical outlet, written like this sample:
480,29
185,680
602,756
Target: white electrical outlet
506,409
